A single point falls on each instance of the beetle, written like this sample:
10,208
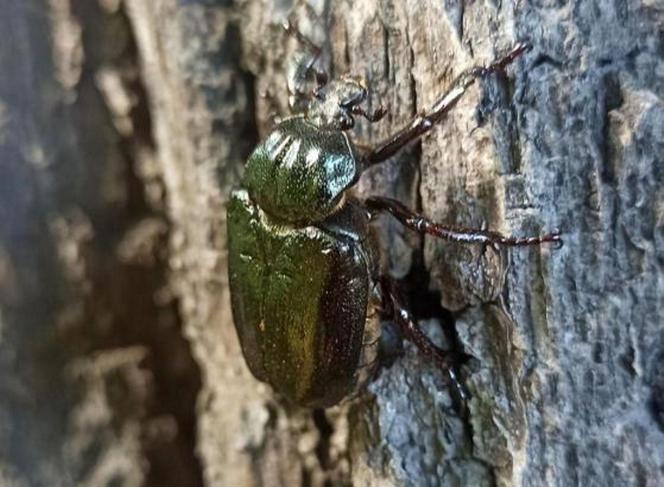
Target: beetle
306,290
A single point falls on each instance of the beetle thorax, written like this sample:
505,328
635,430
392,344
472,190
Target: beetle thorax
299,173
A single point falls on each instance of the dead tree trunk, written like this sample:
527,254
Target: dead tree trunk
140,104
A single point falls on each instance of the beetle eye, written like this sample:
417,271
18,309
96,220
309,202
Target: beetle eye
352,100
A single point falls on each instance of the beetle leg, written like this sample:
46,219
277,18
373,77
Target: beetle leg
412,331
423,122
465,235
298,77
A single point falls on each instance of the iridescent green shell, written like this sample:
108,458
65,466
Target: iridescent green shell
299,172
300,299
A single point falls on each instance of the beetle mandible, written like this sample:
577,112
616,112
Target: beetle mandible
305,286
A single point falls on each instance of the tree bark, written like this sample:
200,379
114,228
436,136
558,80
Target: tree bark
124,130
97,383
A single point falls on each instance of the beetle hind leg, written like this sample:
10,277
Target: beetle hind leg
445,360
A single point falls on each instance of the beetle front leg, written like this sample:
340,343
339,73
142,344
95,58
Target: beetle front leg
423,225
298,77
422,123
395,306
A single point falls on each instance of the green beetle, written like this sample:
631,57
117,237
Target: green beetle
305,286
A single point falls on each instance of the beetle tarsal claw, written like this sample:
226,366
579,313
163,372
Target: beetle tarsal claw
557,240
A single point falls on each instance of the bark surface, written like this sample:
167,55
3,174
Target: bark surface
125,123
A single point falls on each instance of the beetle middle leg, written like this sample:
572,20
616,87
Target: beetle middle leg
423,122
422,224
445,360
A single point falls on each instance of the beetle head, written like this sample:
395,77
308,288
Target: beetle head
335,104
